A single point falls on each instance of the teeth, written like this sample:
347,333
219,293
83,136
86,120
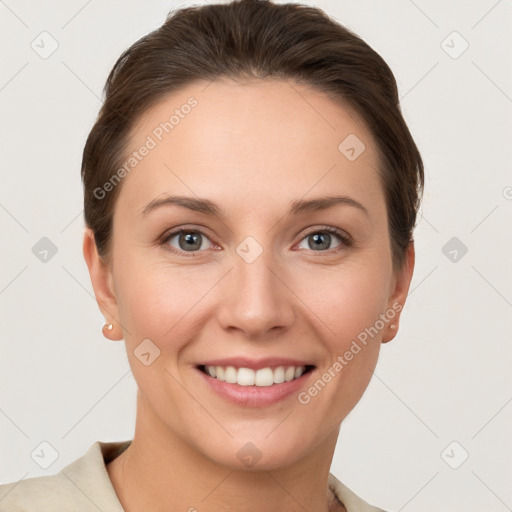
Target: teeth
230,375
279,375
289,373
245,377
262,377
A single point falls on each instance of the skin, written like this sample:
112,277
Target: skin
251,148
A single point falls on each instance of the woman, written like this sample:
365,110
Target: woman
250,192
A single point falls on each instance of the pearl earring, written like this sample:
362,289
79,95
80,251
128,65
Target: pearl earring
108,327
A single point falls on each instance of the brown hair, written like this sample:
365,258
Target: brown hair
240,40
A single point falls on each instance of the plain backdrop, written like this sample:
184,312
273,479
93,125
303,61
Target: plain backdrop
433,429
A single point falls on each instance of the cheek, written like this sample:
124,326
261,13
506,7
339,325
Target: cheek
356,308
158,301
157,309
351,311
348,299
167,303
351,307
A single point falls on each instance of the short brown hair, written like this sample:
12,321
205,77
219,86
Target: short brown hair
254,39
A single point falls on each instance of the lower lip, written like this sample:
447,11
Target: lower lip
255,396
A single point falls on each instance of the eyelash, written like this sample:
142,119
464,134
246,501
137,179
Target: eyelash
346,241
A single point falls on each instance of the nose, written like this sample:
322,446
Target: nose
257,300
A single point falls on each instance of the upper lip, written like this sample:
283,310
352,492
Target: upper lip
255,364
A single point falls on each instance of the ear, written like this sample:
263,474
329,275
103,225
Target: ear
398,293
102,283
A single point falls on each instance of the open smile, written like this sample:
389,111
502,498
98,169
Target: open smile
255,388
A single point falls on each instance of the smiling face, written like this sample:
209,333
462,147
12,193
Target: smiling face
264,270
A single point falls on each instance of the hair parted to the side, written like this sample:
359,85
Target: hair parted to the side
248,39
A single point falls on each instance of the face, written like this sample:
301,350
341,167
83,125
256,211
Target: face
263,275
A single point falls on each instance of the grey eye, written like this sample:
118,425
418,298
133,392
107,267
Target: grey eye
188,240
320,240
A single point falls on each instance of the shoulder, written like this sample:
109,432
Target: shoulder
41,492
81,486
351,501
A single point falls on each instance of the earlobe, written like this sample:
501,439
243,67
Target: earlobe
110,332
101,280
398,295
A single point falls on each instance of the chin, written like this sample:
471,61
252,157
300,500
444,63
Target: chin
257,453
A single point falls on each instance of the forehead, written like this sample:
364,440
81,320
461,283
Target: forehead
268,141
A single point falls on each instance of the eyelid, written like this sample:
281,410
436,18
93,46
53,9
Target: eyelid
346,240
330,229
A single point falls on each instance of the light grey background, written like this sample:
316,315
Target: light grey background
445,378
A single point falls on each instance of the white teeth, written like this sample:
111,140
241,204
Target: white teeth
249,377
245,377
289,373
279,375
264,377
230,375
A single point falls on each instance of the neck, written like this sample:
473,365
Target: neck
162,471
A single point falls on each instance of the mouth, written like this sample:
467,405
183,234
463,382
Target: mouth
262,377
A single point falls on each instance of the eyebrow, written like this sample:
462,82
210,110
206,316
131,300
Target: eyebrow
207,207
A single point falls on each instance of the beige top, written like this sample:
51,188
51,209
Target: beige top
84,486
